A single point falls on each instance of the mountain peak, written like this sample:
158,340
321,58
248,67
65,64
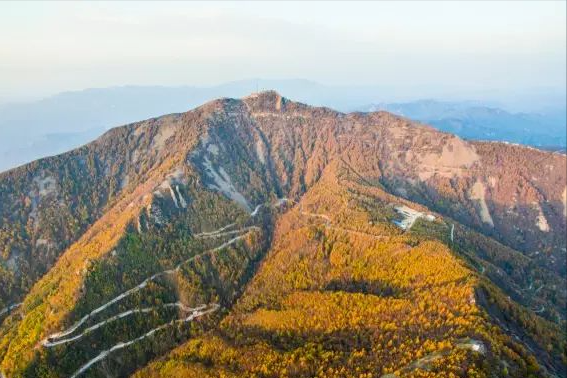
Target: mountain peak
268,100
264,93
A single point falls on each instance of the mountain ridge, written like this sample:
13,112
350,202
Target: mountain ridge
476,121
78,117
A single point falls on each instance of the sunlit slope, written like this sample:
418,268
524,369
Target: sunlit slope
343,293
51,298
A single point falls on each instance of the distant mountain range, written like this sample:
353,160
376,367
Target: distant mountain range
262,237
475,121
59,123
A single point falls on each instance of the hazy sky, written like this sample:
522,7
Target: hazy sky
49,47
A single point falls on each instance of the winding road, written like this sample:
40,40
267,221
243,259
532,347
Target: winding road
226,233
9,308
64,336
122,345
204,234
48,343
60,338
137,288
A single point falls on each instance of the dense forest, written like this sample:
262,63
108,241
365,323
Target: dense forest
353,296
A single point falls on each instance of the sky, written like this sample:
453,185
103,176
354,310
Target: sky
422,47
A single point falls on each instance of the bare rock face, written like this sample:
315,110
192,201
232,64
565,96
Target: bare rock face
486,185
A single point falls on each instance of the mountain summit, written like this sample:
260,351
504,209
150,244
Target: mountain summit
265,237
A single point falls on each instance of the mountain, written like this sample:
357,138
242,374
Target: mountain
56,124
476,121
81,116
262,237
